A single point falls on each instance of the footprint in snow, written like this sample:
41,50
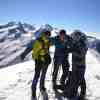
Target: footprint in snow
97,77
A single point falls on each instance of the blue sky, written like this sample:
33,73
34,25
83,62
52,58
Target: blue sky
69,14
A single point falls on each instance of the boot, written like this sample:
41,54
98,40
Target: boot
34,93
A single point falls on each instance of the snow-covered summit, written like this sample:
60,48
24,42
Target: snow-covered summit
15,81
13,39
14,27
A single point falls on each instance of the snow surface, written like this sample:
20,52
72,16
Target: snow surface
15,81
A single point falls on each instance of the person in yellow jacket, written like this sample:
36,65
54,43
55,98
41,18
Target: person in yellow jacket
41,55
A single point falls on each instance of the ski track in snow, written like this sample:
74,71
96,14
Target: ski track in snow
15,81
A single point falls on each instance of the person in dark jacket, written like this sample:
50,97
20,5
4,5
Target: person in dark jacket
60,57
77,78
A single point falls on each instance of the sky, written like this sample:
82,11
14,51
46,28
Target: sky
69,14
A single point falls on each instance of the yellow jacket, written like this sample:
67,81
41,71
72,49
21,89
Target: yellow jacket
40,48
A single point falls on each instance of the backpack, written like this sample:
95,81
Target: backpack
46,57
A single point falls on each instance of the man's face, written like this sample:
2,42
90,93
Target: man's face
62,37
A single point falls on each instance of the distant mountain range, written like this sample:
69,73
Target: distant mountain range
14,38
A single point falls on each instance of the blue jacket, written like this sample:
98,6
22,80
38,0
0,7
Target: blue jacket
60,49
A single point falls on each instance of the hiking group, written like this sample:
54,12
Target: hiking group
70,81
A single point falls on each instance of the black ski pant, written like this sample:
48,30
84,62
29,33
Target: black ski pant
40,67
65,68
76,80
81,82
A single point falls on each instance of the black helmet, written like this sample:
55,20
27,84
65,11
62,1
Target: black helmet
77,35
46,32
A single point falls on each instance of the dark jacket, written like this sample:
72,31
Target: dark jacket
79,51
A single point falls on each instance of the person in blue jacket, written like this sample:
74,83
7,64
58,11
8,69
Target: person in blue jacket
61,43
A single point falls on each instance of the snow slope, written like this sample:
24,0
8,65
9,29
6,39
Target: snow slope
12,43
14,38
15,81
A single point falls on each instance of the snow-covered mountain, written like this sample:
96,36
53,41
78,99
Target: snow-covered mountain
94,43
14,38
12,41
15,81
